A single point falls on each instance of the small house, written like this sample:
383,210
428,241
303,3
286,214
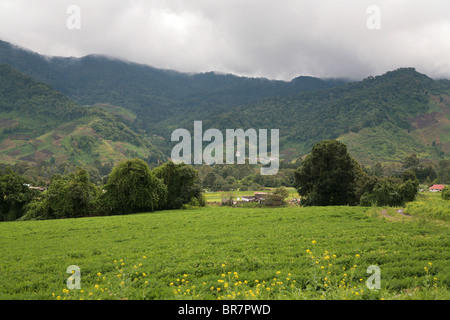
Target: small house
437,187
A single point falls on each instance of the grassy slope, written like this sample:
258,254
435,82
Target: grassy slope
386,143
184,253
57,143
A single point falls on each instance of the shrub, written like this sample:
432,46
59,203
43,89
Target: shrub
446,193
132,188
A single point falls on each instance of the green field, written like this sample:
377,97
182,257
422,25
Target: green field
429,205
228,253
219,195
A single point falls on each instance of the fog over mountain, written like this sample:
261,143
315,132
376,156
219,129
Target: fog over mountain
258,38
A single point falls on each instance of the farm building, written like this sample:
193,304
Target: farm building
437,187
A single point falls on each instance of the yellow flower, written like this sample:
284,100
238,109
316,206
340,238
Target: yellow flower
357,255
314,242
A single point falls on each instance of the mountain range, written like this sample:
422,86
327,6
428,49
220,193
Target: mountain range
102,109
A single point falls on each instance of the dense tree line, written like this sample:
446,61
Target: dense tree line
329,176
131,187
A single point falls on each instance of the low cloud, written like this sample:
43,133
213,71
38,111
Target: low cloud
273,39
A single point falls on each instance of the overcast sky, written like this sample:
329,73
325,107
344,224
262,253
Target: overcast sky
274,39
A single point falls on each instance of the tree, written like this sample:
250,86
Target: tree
443,173
277,198
132,188
209,180
390,191
446,193
14,196
68,196
411,161
71,196
181,182
328,175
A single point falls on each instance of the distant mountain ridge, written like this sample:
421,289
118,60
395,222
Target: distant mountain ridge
145,89
381,118
38,123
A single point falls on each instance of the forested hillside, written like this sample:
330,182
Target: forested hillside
41,126
392,101
159,98
382,118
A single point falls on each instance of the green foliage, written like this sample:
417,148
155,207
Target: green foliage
327,176
69,196
429,205
29,98
382,191
199,245
14,195
371,116
277,198
181,182
131,188
411,161
446,193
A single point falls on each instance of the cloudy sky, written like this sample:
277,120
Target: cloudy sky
261,38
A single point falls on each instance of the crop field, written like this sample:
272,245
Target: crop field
220,195
229,253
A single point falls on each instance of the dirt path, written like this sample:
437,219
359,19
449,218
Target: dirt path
399,211
384,214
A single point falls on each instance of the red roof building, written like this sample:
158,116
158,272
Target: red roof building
436,187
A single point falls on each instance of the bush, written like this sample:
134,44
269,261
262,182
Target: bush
388,192
181,182
132,188
67,196
277,198
446,193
